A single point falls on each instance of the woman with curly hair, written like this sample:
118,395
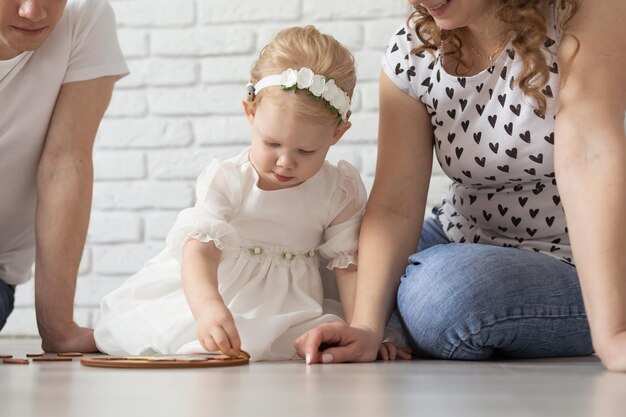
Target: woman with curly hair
523,103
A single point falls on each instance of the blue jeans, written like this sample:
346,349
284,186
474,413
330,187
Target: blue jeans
469,301
7,297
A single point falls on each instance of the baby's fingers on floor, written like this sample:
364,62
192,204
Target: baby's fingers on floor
383,353
393,351
405,353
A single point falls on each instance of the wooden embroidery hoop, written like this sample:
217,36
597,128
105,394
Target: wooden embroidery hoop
162,362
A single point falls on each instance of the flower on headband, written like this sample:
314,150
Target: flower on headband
330,92
317,85
337,98
305,79
289,78
341,103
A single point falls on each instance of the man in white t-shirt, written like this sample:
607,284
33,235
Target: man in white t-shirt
59,60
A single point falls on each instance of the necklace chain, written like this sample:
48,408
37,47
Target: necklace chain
493,55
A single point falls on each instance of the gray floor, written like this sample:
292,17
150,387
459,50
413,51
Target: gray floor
556,387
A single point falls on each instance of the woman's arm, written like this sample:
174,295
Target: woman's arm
216,327
590,159
395,210
390,230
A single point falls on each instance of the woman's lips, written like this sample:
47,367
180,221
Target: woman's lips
437,9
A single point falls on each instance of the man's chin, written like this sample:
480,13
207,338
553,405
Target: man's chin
24,43
30,45
14,48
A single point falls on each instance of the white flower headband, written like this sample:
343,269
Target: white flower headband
316,85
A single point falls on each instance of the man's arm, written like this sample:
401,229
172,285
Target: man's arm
64,190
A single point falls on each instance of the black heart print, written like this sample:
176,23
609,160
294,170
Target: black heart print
512,153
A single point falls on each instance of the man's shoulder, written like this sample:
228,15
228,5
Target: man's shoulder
77,10
85,4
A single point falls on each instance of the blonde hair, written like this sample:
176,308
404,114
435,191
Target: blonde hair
299,47
523,18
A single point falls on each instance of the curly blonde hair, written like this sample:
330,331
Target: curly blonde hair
298,47
523,18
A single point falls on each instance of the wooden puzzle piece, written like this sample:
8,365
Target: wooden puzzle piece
46,358
168,361
15,361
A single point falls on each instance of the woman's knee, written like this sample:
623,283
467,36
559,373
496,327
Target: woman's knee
439,298
463,300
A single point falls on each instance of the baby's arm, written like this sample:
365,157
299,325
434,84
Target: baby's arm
346,283
216,326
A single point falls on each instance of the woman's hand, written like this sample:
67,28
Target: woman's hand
347,344
612,351
216,329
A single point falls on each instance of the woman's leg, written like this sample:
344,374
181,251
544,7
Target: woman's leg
7,297
471,301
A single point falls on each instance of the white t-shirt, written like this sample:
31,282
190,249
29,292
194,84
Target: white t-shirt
491,143
83,46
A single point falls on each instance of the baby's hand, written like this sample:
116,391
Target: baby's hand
390,348
389,351
216,329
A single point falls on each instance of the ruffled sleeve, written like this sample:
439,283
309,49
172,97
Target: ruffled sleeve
218,192
347,205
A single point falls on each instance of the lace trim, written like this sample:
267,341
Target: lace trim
342,261
204,238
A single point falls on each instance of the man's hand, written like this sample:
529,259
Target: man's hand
348,344
72,338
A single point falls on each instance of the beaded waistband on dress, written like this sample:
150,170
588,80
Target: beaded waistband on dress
278,251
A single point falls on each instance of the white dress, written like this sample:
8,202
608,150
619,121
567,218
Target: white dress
268,276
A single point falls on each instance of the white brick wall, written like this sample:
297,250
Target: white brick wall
181,106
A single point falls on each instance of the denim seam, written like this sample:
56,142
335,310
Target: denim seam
464,340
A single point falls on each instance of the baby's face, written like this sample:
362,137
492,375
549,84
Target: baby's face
288,148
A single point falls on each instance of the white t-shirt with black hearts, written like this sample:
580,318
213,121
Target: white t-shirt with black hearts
489,140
